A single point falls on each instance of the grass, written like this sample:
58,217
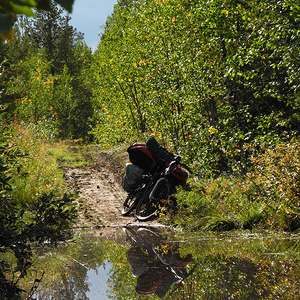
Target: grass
37,172
69,154
217,205
40,169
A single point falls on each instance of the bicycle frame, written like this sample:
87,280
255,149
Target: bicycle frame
157,189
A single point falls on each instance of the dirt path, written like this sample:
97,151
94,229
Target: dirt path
100,192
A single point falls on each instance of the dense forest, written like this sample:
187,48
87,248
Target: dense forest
209,79
214,81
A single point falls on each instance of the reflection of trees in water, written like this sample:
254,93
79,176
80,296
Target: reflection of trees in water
219,270
66,269
223,277
69,285
234,275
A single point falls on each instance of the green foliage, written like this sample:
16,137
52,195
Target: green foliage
34,86
207,78
51,218
267,197
48,79
10,8
36,217
276,175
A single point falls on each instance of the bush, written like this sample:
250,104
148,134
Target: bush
35,217
267,197
276,175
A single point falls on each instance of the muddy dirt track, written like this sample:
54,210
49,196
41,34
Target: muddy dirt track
100,192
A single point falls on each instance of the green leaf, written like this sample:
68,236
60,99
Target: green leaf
19,7
6,22
25,10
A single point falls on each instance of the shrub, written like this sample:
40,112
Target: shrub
267,197
276,175
37,216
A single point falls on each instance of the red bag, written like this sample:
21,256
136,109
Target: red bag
140,155
178,176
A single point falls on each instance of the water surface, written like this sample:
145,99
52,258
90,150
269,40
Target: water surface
152,263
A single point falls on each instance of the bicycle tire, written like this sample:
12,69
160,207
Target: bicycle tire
149,238
148,208
133,198
130,204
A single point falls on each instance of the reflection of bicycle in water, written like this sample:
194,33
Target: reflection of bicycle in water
157,264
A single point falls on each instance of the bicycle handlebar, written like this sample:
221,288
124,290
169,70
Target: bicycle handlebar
172,164
175,162
187,168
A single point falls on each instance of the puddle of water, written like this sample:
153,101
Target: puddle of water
131,263
97,281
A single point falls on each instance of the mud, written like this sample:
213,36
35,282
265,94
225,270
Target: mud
100,194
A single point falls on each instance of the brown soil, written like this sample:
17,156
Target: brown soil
100,192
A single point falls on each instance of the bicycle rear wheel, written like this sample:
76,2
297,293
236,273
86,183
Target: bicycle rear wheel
149,207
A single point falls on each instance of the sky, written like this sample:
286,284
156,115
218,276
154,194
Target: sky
87,17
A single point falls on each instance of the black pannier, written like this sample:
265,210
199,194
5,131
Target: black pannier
178,176
132,175
159,152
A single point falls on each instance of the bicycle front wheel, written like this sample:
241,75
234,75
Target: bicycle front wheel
130,204
150,205
134,196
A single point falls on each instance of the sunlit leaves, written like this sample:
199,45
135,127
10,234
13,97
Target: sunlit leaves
177,69
276,174
35,87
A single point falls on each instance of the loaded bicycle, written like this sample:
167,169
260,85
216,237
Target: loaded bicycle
151,178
